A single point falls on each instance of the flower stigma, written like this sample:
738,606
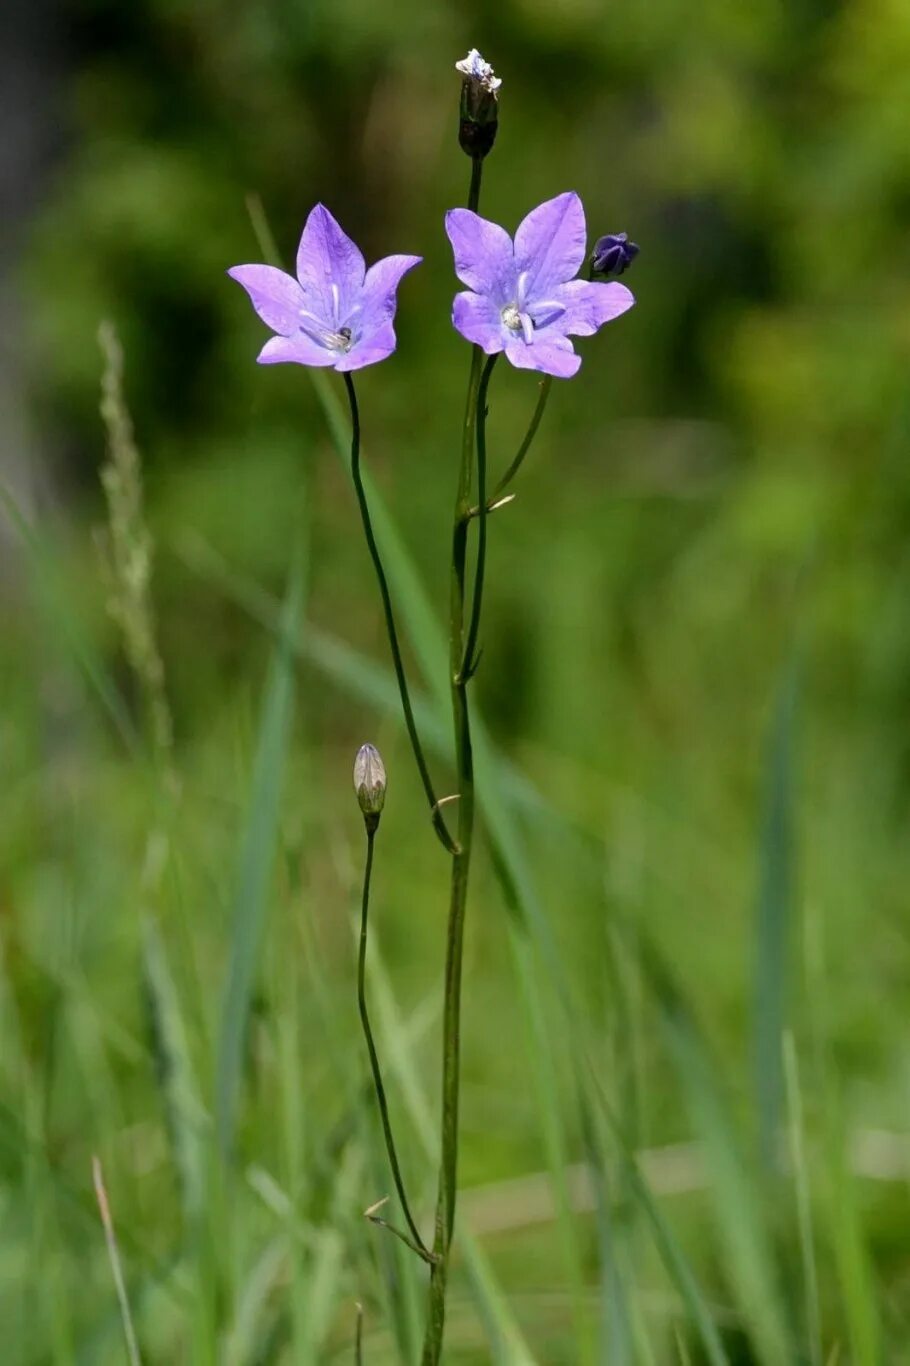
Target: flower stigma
512,318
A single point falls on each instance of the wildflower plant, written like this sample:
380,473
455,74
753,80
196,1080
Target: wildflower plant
523,299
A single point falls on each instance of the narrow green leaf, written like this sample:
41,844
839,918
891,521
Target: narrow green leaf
256,858
803,1201
738,1214
773,917
187,1120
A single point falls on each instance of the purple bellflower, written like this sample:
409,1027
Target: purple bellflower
522,298
336,312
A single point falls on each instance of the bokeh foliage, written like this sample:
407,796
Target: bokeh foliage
696,608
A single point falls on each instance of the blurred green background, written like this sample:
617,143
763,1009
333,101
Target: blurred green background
696,676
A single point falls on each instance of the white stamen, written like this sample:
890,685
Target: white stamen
336,300
317,331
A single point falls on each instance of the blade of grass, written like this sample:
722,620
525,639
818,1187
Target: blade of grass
665,1241
62,615
615,1343
110,1237
738,1216
187,1120
857,1295
773,919
803,1201
256,858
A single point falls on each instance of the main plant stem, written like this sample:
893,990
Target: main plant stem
461,863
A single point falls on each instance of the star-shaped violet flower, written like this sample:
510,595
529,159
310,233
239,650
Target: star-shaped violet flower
522,298
336,312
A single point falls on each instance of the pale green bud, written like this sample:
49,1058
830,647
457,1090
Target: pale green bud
370,783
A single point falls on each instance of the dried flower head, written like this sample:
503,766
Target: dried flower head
370,783
522,297
479,105
479,71
336,312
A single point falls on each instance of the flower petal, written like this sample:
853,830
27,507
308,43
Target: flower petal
478,319
552,355
330,268
550,244
484,259
276,297
300,350
372,347
378,299
589,305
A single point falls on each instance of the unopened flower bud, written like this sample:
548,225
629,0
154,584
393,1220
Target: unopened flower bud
479,105
370,783
613,254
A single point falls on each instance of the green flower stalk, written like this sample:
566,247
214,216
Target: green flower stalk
370,786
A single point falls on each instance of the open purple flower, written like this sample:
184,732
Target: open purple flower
336,312
523,298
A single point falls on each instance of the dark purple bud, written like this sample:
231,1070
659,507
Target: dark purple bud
479,105
613,254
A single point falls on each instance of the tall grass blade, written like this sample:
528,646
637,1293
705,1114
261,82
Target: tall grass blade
187,1121
63,617
803,1201
773,917
858,1300
113,1252
615,1336
256,858
552,1109
738,1214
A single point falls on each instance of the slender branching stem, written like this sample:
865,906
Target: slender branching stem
546,385
461,860
496,498
415,1241
436,815
468,664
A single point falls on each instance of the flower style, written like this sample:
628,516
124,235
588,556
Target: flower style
336,312
523,298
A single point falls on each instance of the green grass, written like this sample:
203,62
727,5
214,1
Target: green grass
177,993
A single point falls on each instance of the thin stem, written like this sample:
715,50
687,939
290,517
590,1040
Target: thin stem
421,1251
438,822
476,175
496,499
374,1056
468,665
505,481
464,761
